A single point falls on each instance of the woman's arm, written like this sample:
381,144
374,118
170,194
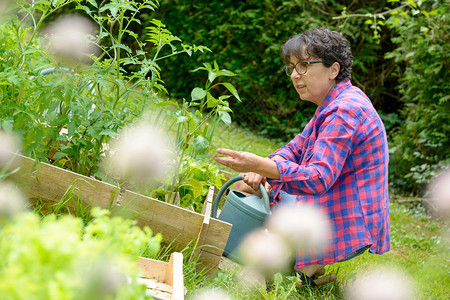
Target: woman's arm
293,150
339,133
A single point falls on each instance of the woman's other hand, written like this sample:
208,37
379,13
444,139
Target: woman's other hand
254,179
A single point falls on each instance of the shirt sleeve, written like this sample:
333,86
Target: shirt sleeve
323,161
293,150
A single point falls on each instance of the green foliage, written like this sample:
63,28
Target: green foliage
66,111
279,290
420,145
196,120
54,258
245,36
195,181
90,102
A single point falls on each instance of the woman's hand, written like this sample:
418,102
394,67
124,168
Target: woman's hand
242,161
239,161
254,179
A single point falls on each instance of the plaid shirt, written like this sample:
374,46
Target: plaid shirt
339,163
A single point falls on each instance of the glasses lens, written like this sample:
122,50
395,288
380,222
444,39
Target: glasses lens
288,70
301,68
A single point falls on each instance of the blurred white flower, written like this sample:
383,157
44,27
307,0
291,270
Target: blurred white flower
302,227
264,252
9,145
69,38
12,200
380,284
142,154
212,294
439,195
103,280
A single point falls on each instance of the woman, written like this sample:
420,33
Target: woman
339,162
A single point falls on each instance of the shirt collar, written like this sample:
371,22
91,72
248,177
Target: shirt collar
335,91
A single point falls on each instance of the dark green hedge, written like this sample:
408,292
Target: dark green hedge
420,146
245,37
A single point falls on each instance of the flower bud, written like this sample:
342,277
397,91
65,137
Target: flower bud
209,294
141,154
302,227
12,201
264,252
69,38
380,283
439,195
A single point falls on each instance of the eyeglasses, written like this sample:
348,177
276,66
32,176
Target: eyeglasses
301,67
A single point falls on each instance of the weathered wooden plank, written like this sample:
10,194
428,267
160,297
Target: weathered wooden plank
174,276
206,212
164,277
205,253
156,289
152,268
179,226
213,262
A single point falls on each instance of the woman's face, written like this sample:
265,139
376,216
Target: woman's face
317,82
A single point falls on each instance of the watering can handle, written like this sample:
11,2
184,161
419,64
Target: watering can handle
265,197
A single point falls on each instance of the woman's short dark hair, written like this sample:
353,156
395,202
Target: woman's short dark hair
329,46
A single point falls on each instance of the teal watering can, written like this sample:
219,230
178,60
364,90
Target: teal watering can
245,212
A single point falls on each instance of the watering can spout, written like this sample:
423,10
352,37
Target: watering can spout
245,212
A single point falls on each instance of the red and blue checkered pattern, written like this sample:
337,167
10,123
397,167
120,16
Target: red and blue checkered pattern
339,163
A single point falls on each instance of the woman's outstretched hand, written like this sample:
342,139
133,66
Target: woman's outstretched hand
241,161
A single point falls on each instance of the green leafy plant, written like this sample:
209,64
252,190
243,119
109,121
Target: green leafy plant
196,120
59,258
67,116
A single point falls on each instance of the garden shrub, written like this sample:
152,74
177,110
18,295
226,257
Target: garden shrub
420,147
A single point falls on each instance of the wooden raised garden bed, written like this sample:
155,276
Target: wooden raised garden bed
164,280
46,185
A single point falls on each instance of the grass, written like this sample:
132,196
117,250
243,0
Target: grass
419,246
